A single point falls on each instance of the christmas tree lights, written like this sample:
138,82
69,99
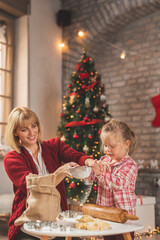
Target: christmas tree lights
84,112
149,233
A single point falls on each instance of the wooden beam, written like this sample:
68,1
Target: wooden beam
16,8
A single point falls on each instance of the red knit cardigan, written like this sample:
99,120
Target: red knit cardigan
17,166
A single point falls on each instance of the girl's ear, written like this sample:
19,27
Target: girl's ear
128,143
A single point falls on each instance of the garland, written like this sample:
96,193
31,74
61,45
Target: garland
83,123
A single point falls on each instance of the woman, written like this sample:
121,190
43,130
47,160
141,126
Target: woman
33,155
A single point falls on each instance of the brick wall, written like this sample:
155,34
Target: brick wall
129,84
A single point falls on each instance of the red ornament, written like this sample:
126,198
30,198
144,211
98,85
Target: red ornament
75,136
78,111
99,132
62,115
81,69
72,185
69,85
90,136
95,188
86,118
84,86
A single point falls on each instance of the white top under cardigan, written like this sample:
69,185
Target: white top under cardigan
41,167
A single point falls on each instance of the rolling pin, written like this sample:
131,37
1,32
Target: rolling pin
107,213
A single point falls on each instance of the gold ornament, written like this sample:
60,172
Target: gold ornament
63,138
107,118
87,102
95,109
74,89
85,148
71,99
103,98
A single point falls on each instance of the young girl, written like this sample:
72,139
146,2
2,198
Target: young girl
116,171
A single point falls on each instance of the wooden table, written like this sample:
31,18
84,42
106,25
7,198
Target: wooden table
115,228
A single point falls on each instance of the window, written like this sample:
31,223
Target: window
6,75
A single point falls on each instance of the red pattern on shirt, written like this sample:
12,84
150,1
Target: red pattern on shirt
117,188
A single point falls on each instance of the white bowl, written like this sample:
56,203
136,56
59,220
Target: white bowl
81,172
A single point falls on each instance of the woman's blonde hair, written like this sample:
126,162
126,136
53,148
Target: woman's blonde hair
16,119
122,128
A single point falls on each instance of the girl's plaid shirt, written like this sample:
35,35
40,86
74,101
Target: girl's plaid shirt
117,188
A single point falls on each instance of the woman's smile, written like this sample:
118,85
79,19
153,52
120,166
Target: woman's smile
31,137
28,134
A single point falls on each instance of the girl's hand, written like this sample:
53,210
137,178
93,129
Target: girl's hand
105,166
96,167
101,167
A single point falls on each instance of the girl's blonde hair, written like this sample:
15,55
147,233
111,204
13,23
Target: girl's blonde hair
16,119
122,128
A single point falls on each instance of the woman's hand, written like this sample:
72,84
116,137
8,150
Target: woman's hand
66,168
89,162
64,171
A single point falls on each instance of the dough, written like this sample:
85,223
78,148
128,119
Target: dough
88,223
86,218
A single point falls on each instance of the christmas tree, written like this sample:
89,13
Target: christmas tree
84,112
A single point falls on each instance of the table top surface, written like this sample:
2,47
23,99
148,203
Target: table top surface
66,227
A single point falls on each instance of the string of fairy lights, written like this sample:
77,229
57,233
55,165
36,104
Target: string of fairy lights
82,33
148,234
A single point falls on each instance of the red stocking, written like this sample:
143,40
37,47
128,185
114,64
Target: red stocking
156,104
